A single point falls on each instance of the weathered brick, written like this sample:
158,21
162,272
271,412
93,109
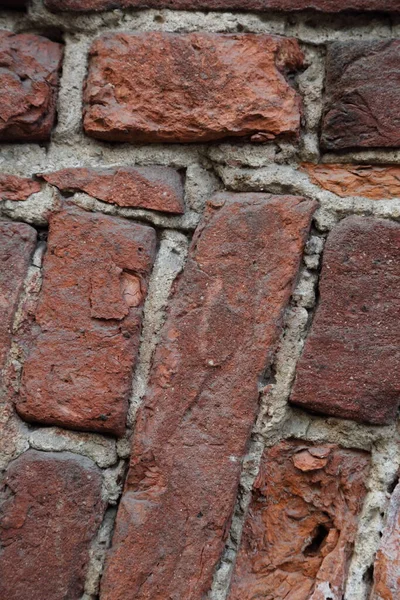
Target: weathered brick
373,182
155,188
50,511
387,562
349,367
88,322
28,84
220,334
160,87
17,188
329,6
17,243
300,529
361,104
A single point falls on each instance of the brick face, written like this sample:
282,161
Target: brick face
88,322
28,80
158,87
348,367
52,510
301,524
191,434
17,188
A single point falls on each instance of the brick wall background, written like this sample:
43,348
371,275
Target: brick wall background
199,299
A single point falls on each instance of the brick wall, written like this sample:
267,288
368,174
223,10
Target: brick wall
199,299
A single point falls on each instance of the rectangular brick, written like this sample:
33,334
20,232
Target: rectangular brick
88,322
301,525
361,95
222,327
28,80
161,87
349,367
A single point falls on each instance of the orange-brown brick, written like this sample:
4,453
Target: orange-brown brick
17,188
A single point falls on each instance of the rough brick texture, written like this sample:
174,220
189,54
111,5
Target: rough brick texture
159,87
329,6
156,188
361,104
88,322
377,183
387,562
17,188
349,364
28,81
302,521
50,510
191,434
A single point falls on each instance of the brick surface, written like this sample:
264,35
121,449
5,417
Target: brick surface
387,562
301,525
155,188
160,87
17,188
50,511
88,322
361,104
191,434
17,243
373,182
329,6
349,367
28,82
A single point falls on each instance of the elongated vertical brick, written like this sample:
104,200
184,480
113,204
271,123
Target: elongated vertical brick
350,364
191,434
301,525
51,511
88,322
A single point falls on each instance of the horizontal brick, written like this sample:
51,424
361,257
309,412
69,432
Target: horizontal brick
349,367
51,512
361,103
328,6
17,188
160,87
155,188
375,182
222,327
17,243
28,80
88,322
387,561
302,521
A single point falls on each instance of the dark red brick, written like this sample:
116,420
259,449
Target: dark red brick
17,188
302,521
329,6
191,434
349,367
361,104
88,322
155,188
161,87
29,74
51,508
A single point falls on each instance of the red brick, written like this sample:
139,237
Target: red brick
387,562
50,512
373,182
191,434
329,6
361,104
349,367
155,188
17,243
28,83
300,529
160,87
88,320
17,188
